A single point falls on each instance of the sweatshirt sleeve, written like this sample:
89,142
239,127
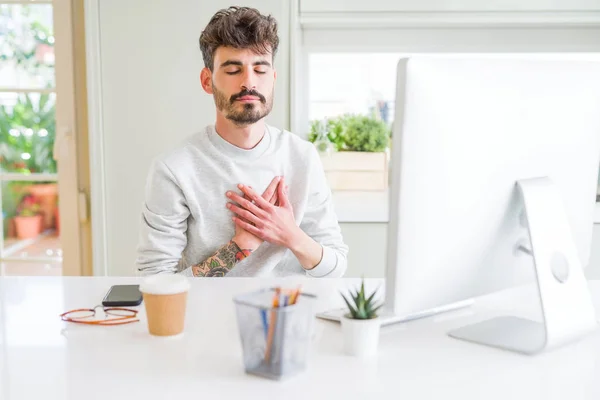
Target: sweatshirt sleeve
320,223
163,223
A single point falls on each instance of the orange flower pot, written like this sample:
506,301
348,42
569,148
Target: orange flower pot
28,227
47,195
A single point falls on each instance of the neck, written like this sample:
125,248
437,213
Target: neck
244,137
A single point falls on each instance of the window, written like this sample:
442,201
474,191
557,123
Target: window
365,83
29,241
346,83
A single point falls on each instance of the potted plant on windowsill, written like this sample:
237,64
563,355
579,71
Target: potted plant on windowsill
360,326
360,161
28,221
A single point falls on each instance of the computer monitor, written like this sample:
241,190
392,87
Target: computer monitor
472,139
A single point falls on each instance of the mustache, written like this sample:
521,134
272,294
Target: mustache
248,93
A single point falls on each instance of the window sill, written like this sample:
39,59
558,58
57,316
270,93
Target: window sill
361,206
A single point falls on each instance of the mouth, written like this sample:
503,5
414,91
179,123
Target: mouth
247,99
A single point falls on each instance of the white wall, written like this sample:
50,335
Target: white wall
367,249
151,95
152,98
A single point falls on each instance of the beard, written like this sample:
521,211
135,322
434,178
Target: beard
243,114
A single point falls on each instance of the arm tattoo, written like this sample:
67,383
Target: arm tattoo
220,263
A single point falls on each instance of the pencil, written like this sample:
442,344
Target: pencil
272,325
294,296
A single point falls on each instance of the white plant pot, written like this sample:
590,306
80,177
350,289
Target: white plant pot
361,336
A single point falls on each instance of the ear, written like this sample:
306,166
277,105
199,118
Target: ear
206,80
274,74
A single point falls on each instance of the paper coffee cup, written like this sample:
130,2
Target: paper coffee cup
165,298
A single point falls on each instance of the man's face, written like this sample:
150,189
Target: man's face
242,83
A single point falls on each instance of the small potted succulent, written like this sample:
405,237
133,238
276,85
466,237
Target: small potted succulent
28,221
360,326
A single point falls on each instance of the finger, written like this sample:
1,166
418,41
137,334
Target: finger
283,200
272,200
246,215
275,198
247,204
258,200
244,220
271,189
277,202
247,227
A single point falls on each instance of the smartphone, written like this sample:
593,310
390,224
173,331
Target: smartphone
123,296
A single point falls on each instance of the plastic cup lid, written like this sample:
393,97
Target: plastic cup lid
165,284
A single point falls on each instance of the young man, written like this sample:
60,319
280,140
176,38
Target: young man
240,198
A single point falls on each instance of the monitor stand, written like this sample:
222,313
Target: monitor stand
387,317
567,308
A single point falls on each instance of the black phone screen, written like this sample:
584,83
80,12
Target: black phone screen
123,295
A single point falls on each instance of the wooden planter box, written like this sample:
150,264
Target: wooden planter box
349,170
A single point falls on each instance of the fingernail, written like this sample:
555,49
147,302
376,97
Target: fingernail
241,186
233,219
228,194
228,205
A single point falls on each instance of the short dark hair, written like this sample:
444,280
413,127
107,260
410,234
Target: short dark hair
240,28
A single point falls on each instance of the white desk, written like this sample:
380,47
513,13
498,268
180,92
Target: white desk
44,358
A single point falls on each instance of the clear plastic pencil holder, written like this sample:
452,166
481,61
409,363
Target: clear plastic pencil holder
275,341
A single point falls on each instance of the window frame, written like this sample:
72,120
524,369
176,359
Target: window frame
6,254
71,129
299,59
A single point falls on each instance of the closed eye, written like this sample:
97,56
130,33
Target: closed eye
237,72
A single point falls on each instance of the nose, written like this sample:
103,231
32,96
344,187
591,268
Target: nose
248,82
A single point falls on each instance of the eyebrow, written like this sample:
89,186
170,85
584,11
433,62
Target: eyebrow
239,63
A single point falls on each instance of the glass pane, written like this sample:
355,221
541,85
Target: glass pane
27,129
31,220
335,90
365,83
26,46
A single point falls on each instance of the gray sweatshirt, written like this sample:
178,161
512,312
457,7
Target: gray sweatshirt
185,221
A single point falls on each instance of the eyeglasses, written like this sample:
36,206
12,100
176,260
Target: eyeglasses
113,316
